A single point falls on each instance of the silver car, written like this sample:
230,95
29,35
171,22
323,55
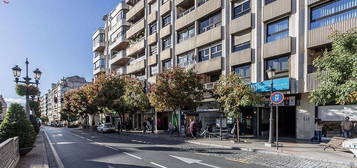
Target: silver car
103,128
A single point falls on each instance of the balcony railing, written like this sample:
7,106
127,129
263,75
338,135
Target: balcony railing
185,12
143,77
138,60
209,86
312,81
201,2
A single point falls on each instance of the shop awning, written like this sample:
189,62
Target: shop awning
337,112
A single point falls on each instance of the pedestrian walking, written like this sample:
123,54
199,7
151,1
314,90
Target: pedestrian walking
318,130
192,128
171,128
346,128
144,127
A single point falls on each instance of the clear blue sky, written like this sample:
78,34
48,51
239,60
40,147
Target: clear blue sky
54,34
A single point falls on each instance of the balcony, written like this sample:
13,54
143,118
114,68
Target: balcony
152,60
165,31
312,81
152,39
136,47
98,40
141,78
136,11
99,70
211,65
207,7
186,45
209,36
98,57
241,57
152,79
186,18
166,54
119,43
136,28
276,9
136,65
241,23
119,59
320,36
165,8
310,2
152,17
178,2
121,71
277,47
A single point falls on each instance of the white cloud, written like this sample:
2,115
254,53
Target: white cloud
13,100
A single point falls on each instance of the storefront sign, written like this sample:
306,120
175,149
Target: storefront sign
277,98
278,85
337,112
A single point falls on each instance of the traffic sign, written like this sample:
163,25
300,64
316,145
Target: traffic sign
277,97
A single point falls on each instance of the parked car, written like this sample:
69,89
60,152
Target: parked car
103,128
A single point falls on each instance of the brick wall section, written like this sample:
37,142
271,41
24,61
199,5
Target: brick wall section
9,153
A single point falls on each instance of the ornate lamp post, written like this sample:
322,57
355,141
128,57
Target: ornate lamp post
27,81
271,74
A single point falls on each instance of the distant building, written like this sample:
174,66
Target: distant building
51,103
4,108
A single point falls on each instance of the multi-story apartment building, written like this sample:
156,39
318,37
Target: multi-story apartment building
52,102
4,108
218,37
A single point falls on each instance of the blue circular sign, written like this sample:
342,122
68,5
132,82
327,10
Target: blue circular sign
277,97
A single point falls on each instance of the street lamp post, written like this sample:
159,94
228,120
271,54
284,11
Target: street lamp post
27,81
271,74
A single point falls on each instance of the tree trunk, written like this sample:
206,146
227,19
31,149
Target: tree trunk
238,137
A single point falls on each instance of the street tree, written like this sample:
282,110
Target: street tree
176,89
337,71
233,94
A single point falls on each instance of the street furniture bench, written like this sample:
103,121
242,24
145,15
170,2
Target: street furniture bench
334,143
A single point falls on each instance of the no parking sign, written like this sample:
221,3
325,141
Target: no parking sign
277,97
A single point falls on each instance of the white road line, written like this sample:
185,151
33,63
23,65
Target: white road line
55,154
137,157
112,148
89,140
158,165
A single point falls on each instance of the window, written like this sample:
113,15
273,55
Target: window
153,49
99,64
210,23
166,42
152,7
154,70
333,12
99,38
186,34
241,47
281,65
203,55
152,28
216,51
269,1
242,71
164,1
166,65
241,9
277,30
210,52
166,20
186,59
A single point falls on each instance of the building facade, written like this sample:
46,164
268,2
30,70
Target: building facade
216,37
52,102
4,108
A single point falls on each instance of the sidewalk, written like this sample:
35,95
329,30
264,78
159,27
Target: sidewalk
40,156
299,150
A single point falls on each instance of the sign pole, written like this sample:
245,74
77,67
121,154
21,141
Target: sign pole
277,128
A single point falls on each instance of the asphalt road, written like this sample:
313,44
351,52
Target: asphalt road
78,149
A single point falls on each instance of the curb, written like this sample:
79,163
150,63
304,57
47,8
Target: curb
53,150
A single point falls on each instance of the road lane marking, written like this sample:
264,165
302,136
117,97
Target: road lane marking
137,157
89,139
161,166
112,148
193,161
55,154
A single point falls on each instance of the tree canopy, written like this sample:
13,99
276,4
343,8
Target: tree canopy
176,88
233,93
337,71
